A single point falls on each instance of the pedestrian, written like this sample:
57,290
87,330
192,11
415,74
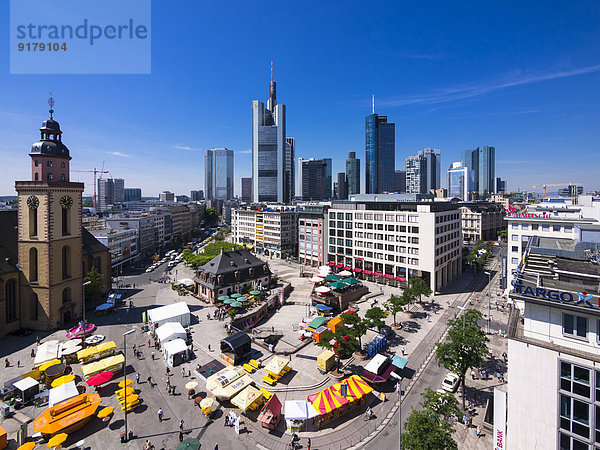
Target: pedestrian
308,444
478,431
465,420
189,372
183,372
160,414
148,343
152,356
491,354
18,363
168,371
472,374
149,379
173,390
137,378
470,418
505,356
168,382
181,424
32,353
134,349
216,447
487,374
181,436
403,351
6,363
38,340
209,348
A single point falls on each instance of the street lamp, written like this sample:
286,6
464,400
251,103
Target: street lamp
84,285
489,274
125,377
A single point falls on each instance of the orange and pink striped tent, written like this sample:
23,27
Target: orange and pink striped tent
331,398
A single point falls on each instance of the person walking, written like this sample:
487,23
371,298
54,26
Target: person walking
149,380
152,356
478,431
472,374
308,444
181,425
183,372
137,378
160,414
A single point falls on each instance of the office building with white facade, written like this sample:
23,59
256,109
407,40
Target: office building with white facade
394,240
554,338
271,230
458,181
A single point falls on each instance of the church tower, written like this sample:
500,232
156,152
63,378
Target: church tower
50,235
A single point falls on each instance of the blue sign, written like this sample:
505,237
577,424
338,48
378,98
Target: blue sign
577,298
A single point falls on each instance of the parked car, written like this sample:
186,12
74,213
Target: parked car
450,383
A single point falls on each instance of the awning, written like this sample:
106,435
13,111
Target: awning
326,401
330,263
377,274
25,383
324,307
299,410
357,270
367,272
399,278
399,362
388,276
347,268
339,265
62,393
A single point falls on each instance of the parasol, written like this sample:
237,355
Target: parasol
323,290
229,301
105,412
235,304
191,385
207,403
254,292
236,295
345,273
121,392
222,298
100,378
45,366
332,277
189,444
62,380
315,279
27,446
57,440
127,382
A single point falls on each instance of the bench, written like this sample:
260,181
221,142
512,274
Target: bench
270,381
248,368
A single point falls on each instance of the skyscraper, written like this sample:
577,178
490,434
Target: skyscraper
110,192
400,181
481,163
353,174
132,194
380,149
313,179
290,183
327,194
432,167
458,181
299,178
416,175
247,190
342,186
218,166
269,147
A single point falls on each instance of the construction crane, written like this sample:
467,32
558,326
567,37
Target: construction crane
544,186
94,171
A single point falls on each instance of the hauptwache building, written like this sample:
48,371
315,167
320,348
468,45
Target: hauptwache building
44,250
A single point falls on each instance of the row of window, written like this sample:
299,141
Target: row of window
49,164
535,227
374,216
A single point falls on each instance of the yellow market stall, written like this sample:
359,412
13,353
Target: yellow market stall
249,398
325,361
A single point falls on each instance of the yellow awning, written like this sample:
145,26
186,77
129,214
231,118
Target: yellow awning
246,398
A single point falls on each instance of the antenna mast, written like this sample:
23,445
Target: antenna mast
373,104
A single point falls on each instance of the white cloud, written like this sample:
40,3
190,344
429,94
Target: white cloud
119,154
185,147
246,152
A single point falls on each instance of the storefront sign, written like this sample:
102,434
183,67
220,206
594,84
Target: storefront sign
499,419
511,212
577,298
504,272
227,359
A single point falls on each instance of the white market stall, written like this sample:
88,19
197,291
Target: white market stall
28,388
170,331
62,393
297,413
176,312
175,352
47,351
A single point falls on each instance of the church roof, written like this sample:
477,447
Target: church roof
8,241
91,245
221,270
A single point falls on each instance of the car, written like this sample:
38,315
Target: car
450,382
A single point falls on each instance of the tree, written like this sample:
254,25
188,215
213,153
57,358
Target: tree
232,313
396,304
93,291
442,403
211,215
374,317
358,326
419,287
341,343
503,234
424,430
465,347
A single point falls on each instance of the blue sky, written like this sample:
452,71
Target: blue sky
522,78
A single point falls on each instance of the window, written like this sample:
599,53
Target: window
514,260
525,226
49,177
49,163
535,226
66,262
575,416
62,165
515,226
575,326
62,177
568,229
515,248
33,265
65,221
348,216
556,228
10,296
33,223
36,163
515,237
545,227
35,307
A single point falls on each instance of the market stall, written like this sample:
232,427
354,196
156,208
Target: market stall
27,389
236,349
170,331
325,361
62,393
176,312
277,367
335,324
175,352
317,322
297,413
47,351
249,398
270,414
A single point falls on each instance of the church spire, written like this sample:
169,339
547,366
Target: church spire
51,103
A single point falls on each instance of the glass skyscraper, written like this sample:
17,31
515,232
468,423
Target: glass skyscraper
353,173
218,178
433,159
327,194
416,175
269,150
458,181
481,163
380,150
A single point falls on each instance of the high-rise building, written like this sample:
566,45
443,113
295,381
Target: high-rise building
218,166
299,178
166,196
132,194
342,186
353,173
247,190
501,185
481,163
313,179
380,149
196,196
458,181
110,192
416,175
269,148
328,180
289,192
432,167
400,181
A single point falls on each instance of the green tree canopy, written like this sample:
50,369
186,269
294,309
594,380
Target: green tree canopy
93,291
342,343
211,215
465,347
374,317
357,326
210,251
419,287
424,430
444,404
396,304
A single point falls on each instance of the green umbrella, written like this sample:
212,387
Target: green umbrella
235,295
254,292
337,285
189,444
351,281
332,277
222,298
235,304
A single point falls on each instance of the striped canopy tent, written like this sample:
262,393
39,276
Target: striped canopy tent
326,401
357,388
